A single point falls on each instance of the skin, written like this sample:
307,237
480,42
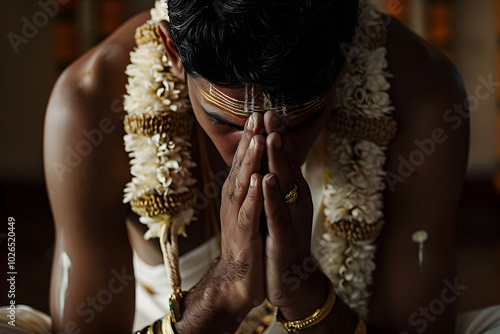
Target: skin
97,232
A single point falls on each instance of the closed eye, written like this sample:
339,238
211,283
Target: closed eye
222,122
219,121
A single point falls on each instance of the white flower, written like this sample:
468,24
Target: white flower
376,62
359,96
159,164
159,11
154,224
376,83
381,99
355,182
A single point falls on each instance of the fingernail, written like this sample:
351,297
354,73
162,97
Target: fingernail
277,143
271,181
252,181
255,120
250,123
252,143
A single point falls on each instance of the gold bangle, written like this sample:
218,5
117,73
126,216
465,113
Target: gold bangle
319,315
151,330
174,303
166,325
360,327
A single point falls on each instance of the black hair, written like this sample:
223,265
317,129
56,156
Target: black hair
293,49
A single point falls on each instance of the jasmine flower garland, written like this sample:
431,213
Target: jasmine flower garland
158,127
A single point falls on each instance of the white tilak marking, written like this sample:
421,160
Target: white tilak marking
63,281
420,237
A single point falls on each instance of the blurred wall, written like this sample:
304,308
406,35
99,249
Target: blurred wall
27,73
476,45
468,31
26,78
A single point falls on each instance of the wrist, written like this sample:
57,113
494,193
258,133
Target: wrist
229,293
204,310
218,295
333,314
311,295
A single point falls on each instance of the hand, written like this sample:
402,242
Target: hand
296,290
225,295
241,267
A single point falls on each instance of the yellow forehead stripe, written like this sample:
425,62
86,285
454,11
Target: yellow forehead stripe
258,102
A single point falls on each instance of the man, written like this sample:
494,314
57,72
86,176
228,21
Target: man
294,52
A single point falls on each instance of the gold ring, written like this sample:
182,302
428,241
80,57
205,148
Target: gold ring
292,196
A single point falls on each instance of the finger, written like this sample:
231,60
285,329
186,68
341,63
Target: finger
237,187
277,214
251,164
278,163
274,123
251,209
252,125
283,163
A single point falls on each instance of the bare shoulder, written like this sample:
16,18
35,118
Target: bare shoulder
422,74
86,169
409,54
102,68
429,99
83,124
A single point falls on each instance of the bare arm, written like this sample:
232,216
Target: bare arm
426,169
92,288
91,240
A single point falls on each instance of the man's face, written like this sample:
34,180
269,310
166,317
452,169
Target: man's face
225,130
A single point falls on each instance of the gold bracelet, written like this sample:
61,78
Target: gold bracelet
166,325
319,315
174,303
360,327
